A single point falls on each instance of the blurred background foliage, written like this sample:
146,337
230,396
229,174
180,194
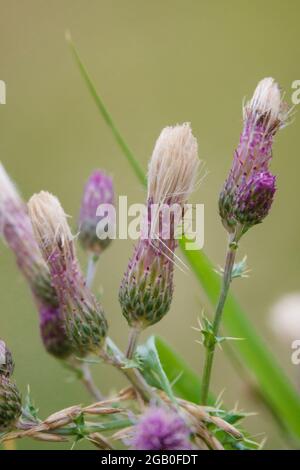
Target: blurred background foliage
154,63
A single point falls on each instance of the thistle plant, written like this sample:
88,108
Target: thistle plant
146,290
152,412
248,192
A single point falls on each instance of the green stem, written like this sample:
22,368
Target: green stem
84,374
89,383
112,355
133,340
210,348
91,269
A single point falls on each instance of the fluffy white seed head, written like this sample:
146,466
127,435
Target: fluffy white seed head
267,101
50,224
174,165
285,317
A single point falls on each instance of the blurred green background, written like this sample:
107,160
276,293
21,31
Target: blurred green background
154,63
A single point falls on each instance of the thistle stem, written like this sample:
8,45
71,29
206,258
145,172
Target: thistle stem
133,340
91,269
112,355
88,381
210,347
85,376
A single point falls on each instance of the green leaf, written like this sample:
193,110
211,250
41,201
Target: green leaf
274,384
131,364
240,269
29,410
152,369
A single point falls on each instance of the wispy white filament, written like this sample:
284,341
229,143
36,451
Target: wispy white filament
174,165
49,223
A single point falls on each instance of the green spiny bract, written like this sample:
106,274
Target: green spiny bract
10,404
146,291
86,330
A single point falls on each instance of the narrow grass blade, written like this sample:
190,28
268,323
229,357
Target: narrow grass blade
106,115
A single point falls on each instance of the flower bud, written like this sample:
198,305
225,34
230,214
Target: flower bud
98,190
17,232
83,317
146,290
248,192
16,228
147,287
6,360
10,404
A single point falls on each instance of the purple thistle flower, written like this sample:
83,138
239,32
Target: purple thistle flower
16,229
83,317
255,199
146,290
248,192
160,429
98,190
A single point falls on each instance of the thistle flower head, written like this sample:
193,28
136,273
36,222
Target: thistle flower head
248,192
146,290
98,190
83,317
16,229
161,429
6,360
